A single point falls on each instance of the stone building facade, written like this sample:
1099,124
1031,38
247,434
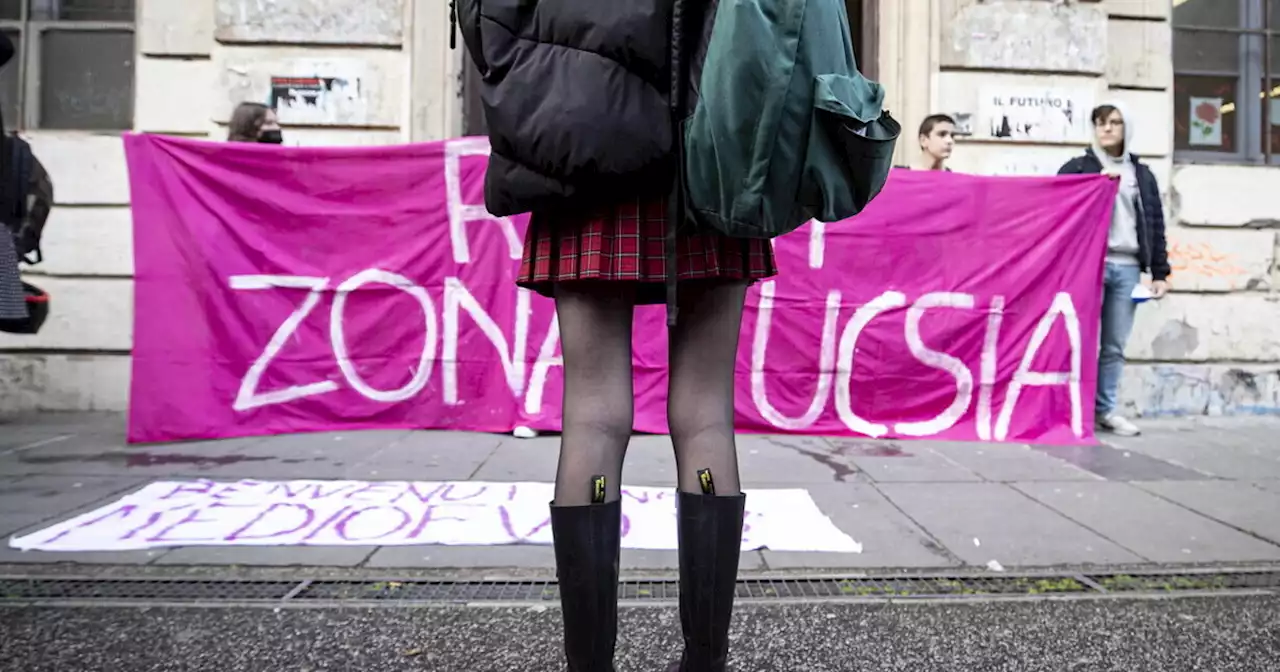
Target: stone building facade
1019,75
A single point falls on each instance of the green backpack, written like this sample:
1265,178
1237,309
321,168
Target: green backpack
785,128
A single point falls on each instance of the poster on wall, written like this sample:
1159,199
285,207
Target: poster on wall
318,100
1037,114
1206,122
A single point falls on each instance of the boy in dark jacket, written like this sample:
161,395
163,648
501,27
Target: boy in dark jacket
1135,244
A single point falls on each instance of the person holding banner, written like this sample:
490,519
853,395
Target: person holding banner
254,122
937,139
1135,245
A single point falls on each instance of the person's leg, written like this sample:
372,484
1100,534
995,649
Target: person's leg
704,347
1118,310
704,350
595,339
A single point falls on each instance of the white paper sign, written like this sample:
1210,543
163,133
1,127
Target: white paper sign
321,92
401,513
1037,114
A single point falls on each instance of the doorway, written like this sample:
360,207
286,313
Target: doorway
864,26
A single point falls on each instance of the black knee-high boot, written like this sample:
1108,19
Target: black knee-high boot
710,543
586,543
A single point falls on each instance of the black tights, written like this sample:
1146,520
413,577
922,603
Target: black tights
595,337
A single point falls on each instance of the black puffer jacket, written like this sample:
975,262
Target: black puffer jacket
578,95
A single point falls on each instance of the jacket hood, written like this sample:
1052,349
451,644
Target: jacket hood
1129,123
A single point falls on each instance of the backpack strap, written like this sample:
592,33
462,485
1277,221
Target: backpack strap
675,204
22,157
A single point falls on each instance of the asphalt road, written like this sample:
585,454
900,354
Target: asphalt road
1224,634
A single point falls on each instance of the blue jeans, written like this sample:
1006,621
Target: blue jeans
1118,310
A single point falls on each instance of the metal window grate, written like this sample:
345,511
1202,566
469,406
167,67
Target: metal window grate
419,591
82,10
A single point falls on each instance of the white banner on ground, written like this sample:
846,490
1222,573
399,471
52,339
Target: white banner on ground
400,513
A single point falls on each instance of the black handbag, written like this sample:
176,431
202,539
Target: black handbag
37,312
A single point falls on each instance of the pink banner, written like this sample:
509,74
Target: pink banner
297,289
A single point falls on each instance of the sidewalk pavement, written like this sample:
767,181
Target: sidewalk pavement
1189,491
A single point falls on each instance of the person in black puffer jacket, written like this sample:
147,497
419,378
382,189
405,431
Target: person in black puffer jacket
581,98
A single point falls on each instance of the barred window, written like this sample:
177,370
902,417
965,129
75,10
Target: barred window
1226,60
73,65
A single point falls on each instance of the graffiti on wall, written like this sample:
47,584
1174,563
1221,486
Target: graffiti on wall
1204,261
1195,389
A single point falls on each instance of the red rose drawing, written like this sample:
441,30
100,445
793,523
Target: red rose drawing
1207,112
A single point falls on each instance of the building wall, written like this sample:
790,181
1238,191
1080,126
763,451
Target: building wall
1211,347
196,59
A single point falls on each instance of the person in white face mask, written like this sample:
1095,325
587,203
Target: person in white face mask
1135,245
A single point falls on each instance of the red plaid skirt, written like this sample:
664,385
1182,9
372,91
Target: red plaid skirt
627,243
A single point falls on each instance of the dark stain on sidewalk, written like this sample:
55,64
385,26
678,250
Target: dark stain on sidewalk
839,458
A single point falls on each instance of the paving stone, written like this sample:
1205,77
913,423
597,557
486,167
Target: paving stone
52,495
1153,528
1009,527
521,460
269,556
13,522
8,554
639,559
1255,510
1009,462
1270,485
1119,464
888,537
650,461
903,461
109,457
522,556
790,460
16,557
13,439
427,456
1217,451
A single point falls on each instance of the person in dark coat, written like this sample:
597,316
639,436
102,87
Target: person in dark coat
1135,245
580,97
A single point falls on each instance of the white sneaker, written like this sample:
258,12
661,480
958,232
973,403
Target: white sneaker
1119,425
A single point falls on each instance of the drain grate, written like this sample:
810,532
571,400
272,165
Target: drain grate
21,590
184,590
429,591
1125,583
